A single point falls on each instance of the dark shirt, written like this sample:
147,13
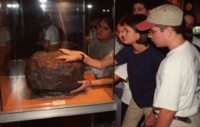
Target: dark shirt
142,69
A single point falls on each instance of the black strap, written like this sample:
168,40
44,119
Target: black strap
197,47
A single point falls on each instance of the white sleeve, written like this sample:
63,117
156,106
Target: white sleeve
118,46
121,71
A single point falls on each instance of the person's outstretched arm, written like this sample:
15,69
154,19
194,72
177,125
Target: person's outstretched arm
98,82
73,55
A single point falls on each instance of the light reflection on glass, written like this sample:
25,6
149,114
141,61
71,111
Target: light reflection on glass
43,6
89,6
13,5
43,1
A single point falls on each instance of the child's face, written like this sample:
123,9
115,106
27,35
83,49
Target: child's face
103,32
130,36
139,8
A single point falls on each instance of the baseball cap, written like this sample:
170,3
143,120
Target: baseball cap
167,14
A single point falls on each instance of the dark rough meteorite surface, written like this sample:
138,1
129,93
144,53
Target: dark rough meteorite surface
44,73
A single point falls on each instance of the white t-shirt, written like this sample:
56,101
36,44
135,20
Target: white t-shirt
178,84
52,35
99,73
121,71
118,46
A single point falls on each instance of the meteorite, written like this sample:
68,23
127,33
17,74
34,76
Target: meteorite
47,75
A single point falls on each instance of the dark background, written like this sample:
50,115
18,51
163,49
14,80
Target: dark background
25,22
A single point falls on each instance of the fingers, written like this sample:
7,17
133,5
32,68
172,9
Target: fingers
82,82
68,58
62,57
70,52
84,85
76,90
65,51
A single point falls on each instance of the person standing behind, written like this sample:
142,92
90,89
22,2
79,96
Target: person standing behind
5,45
106,42
51,41
140,7
177,94
190,21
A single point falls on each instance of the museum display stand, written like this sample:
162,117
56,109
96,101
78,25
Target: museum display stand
18,103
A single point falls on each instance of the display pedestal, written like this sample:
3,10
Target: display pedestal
18,103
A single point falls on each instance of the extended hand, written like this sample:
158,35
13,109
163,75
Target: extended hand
84,84
71,52
69,58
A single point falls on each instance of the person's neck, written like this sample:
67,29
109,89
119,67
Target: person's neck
106,40
176,42
139,48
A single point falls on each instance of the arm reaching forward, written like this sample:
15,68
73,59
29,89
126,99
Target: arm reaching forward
73,55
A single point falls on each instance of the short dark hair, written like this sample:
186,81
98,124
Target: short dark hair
190,13
108,19
143,2
132,20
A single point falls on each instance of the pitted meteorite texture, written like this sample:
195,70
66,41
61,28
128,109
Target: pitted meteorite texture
45,73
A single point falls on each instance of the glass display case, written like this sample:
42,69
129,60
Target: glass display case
23,32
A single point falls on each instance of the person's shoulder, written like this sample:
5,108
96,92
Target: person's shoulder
125,51
156,50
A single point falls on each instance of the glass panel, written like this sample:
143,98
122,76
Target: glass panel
24,27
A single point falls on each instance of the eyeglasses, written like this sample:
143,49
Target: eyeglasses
153,31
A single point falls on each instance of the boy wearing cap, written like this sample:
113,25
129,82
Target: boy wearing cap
177,94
